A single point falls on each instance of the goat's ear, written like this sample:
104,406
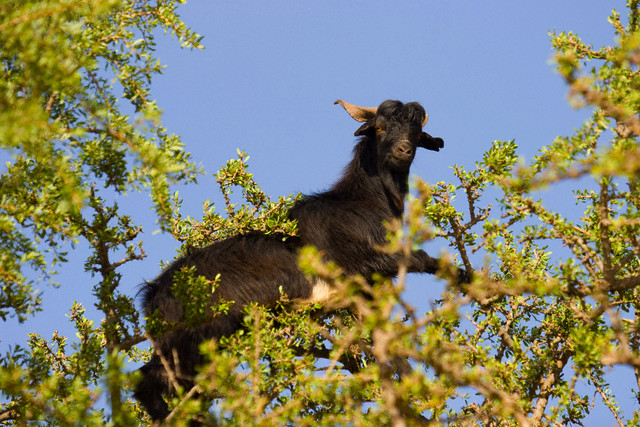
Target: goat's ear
429,142
365,128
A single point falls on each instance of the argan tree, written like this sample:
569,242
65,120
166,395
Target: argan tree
552,307
78,129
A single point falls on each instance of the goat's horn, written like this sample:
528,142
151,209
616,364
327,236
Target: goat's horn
361,114
426,118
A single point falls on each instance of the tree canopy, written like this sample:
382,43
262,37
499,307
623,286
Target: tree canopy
553,304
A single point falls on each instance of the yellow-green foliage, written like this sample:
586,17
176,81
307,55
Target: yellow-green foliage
526,343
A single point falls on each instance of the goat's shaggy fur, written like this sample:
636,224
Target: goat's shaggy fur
344,223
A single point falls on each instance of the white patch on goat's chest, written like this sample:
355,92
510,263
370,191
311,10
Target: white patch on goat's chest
321,293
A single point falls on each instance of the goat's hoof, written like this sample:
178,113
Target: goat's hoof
463,276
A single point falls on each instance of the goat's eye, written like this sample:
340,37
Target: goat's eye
379,129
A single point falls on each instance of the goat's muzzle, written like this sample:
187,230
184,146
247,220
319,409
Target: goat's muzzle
403,150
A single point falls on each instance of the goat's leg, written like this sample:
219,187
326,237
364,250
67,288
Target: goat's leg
421,262
150,389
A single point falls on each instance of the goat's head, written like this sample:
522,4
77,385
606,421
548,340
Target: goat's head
396,128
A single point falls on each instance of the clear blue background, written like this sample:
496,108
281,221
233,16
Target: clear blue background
270,72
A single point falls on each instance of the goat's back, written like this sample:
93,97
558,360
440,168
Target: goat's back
253,267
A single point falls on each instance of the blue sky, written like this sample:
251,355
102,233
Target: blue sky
270,72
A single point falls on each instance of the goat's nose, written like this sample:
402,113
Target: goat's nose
404,148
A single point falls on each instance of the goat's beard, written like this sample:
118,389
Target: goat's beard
397,166
396,186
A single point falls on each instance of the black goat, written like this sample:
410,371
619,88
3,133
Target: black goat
345,223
